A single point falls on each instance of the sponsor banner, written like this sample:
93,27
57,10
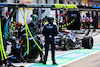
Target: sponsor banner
26,1
85,2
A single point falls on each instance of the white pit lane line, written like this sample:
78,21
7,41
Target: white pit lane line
79,58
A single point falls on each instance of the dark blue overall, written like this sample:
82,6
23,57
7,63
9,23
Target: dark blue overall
49,31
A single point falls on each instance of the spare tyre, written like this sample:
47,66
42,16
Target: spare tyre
33,54
87,42
34,51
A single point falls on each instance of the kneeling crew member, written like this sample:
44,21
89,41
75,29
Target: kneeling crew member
49,31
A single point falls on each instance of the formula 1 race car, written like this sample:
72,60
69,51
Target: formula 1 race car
67,40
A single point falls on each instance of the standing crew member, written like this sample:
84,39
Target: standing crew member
90,20
49,31
5,18
87,21
45,20
60,22
30,19
83,22
19,25
32,25
94,23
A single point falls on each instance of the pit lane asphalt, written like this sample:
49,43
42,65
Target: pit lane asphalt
88,61
92,60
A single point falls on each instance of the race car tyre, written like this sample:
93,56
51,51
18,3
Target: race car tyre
34,51
66,45
87,42
33,54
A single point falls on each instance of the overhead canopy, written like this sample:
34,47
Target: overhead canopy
39,5
69,6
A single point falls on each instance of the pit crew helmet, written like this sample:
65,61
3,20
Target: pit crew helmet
35,17
50,20
19,24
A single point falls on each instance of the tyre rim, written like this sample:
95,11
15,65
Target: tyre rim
67,46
